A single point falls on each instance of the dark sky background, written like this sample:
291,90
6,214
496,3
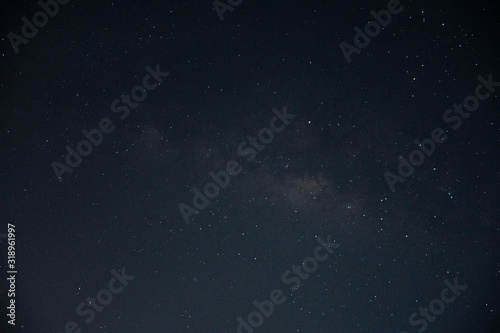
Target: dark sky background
322,175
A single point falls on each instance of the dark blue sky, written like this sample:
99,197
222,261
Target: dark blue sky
258,131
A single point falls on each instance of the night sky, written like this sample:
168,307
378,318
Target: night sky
250,166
